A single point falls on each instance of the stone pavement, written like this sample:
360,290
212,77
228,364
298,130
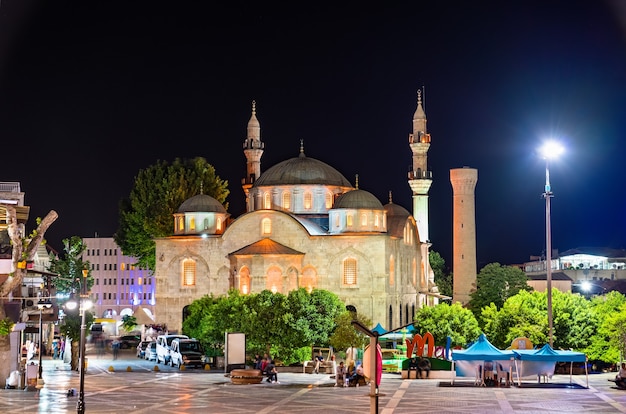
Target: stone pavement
133,386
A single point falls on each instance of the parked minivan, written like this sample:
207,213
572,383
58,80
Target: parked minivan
187,352
164,344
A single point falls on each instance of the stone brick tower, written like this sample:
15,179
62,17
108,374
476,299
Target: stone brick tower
253,150
463,232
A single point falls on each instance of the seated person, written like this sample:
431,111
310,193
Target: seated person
620,378
341,375
423,365
318,360
488,374
272,373
358,378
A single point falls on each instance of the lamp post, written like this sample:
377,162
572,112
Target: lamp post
84,304
549,151
41,305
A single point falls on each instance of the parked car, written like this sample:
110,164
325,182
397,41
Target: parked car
141,349
187,352
129,341
151,352
164,342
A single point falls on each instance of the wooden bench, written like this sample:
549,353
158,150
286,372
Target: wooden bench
246,376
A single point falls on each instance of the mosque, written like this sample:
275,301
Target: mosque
306,226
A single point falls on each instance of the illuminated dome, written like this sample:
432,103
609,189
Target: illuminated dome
396,210
201,203
302,170
358,199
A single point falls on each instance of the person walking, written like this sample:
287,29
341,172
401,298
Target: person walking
116,348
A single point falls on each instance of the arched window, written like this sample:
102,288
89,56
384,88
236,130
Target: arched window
349,220
336,220
363,219
349,272
244,280
219,223
392,271
192,223
308,200
266,226
274,279
181,224
390,316
406,308
206,223
309,278
188,278
329,200
267,201
376,221
286,200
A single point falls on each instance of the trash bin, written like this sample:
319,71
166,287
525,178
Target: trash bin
32,371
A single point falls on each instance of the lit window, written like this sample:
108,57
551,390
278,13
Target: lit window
286,200
266,226
206,223
363,220
267,201
181,223
189,273
392,271
376,221
139,280
308,200
192,224
274,278
336,220
219,223
349,220
329,200
349,272
244,280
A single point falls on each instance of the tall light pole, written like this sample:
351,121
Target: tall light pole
41,305
84,303
549,151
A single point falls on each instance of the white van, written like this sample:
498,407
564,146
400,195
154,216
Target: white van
163,346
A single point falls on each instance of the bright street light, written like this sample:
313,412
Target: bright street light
549,150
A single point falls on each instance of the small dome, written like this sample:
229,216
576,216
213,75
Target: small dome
201,203
396,210
302,170
358,199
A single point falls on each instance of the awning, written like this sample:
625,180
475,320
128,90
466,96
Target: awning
436,295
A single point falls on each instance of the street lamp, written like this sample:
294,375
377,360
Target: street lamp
85,304
549,151
41,305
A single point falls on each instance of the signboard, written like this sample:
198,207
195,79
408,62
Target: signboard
235,351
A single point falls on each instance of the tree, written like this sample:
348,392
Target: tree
129,323
157,193
70,327
285,326
345,334
609,342
24,249
443,280
444,320
495,284
70,267
525,315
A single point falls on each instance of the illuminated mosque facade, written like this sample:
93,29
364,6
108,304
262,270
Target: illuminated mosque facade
306,226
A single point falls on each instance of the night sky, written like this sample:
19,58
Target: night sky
92,92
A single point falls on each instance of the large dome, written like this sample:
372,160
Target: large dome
302,170
201,203
358,199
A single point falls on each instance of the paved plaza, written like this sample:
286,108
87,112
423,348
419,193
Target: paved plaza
131,385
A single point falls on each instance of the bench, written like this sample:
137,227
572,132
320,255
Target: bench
246,376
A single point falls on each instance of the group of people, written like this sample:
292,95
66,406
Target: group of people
267,366
350,376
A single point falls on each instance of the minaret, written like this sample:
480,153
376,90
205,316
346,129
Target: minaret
463,233
420,178
253,150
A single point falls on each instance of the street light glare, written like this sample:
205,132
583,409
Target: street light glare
551,149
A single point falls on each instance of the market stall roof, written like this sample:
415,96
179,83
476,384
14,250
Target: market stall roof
482,350
547,353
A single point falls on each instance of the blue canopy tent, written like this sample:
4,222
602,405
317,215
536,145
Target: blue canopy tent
471,361
539,359
379,329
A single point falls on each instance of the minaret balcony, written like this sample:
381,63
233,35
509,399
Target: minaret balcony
420,175
253,144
